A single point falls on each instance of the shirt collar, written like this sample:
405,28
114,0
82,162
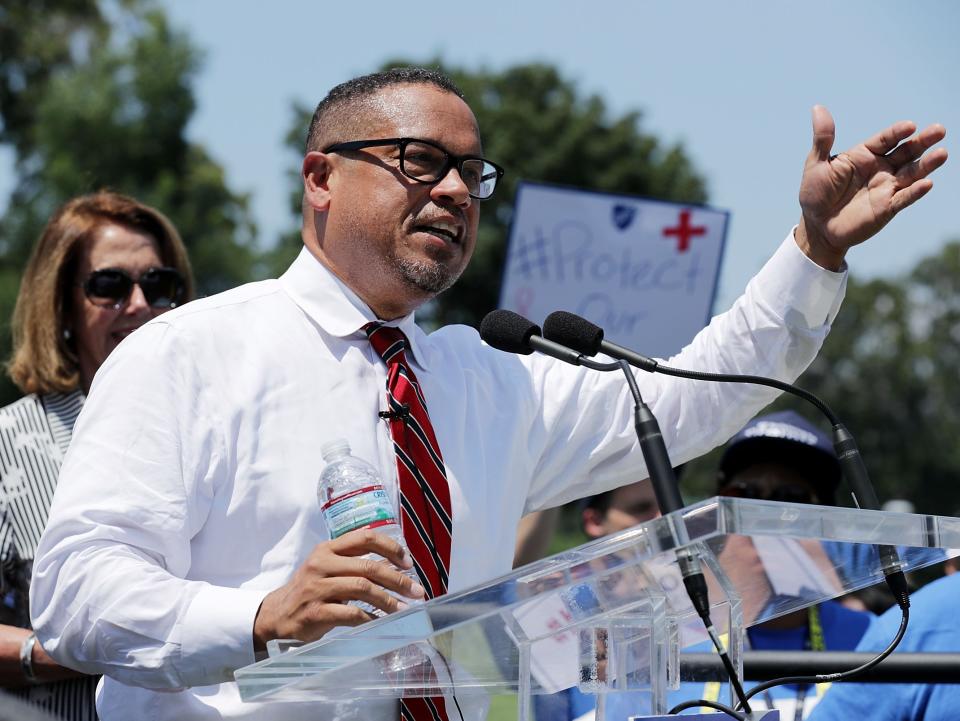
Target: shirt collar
339,311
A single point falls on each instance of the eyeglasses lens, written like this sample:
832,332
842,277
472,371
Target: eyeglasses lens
108,285
429,164
424,162
480,177
162,287
792,494
738,489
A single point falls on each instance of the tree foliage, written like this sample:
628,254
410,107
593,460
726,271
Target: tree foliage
891,368
115,116
536,124
39,38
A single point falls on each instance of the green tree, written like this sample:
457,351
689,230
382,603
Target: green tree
116,118
540,128
39,38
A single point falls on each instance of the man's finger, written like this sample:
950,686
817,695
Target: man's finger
913,148
366,540
329,616
824,132
910,195
381,573
354,588
887,139
919,169
384,574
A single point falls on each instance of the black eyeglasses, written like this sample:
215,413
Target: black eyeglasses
427,162
111,287
786,492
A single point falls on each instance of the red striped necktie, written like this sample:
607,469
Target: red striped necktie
425,513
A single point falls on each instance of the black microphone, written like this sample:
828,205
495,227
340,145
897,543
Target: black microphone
512,333
586,337
402,413
580,334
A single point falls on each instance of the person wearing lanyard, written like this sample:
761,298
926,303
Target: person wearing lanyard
813,642
784,457
775,457
807,632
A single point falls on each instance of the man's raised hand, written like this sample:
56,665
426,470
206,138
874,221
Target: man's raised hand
847,198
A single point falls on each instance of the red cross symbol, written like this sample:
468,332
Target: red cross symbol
684,231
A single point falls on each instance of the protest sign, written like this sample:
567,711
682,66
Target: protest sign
646,271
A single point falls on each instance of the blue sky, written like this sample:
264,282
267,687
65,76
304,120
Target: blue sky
732,81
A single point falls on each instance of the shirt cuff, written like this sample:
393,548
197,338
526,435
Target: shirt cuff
217,634
791,280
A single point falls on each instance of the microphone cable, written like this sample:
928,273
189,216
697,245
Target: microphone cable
840,675
658,463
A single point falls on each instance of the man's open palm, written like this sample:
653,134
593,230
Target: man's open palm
847,198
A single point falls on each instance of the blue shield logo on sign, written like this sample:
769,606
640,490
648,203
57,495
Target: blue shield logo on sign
623,216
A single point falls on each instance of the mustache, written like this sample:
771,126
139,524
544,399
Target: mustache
445,217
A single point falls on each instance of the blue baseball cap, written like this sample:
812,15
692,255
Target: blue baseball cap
788,438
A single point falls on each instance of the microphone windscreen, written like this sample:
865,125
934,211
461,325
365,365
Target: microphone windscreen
508,331
573,331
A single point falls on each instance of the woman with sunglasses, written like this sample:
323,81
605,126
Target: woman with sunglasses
104,265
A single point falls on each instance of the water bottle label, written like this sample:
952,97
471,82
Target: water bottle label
362,508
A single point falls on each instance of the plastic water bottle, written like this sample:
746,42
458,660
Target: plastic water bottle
352,496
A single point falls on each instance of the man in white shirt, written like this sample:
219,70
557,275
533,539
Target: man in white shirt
185,532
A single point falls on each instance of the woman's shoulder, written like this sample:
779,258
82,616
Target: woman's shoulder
45,401
27,411
62,403
29,402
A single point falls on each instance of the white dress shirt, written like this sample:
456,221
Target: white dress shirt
190,488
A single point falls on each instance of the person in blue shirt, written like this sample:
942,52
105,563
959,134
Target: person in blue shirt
781,457
933,628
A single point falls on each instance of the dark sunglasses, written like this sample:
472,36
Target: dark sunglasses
787,493
111,287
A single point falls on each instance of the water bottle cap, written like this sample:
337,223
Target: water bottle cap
336,447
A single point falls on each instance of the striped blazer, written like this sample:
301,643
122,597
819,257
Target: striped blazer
34,434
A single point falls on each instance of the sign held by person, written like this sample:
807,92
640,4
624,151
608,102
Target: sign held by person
644,270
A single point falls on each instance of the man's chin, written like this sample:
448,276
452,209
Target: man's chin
431,278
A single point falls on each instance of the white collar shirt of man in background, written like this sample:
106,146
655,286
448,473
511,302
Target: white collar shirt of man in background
190,488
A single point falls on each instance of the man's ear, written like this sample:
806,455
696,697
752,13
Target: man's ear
316,180
593,524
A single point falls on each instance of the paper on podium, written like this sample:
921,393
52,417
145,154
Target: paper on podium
554,656
793,570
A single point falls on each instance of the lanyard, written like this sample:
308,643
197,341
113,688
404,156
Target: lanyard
814,642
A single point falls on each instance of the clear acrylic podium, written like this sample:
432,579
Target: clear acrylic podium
610,616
